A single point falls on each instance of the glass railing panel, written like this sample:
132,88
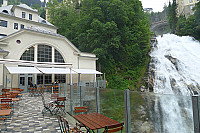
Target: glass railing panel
161,113
88,98
62,90
112,104
81,96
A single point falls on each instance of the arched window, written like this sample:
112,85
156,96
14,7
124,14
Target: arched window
60,77
44,54
58,57
28,54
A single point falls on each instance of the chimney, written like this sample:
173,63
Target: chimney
5,2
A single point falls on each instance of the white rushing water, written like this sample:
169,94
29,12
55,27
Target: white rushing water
176,73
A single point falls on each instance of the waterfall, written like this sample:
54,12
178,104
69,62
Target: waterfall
175,66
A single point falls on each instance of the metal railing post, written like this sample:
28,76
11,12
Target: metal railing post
195,107
71,99
127,111
81,102
97,100
59,92
104,80
97,103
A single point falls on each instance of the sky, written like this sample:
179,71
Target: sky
157,5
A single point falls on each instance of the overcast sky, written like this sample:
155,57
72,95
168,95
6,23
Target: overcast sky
157,5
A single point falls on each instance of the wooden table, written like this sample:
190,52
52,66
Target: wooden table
95,121
15,99
16,92
5,112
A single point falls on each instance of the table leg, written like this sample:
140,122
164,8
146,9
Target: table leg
89,131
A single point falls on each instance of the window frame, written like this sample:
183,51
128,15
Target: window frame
30,17
3,23
16,26
44,54
23,14
22,26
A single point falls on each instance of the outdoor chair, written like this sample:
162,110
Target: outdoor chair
4,91
47,107
21,90
82,109
12,95
114,128
20,94
3,119
6,101
60,104
32,91
3,96
18,89
65,128
54,96
5,106
41,90
49,88
55,88
15,89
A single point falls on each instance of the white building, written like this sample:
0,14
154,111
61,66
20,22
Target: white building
24,35
185,7
148,10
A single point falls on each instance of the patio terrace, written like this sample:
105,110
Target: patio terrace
28,117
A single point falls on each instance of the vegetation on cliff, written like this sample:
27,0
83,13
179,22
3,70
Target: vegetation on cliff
191,25
184,26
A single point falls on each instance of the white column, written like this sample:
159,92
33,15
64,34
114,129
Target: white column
5,2
2,72
70,76
53,60
35,59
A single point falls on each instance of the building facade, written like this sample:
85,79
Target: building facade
185,7
24,35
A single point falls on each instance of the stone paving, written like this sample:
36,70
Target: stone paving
28,117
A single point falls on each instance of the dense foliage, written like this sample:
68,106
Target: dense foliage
28,2
172,16
184,26
116,31
191,25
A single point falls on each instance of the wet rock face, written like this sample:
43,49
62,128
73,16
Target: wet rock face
174,61
152,70
174,86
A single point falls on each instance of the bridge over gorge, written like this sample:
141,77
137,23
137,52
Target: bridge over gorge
159,27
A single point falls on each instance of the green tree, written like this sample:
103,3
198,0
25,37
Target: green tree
172,16
64,16
116,31
191,25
